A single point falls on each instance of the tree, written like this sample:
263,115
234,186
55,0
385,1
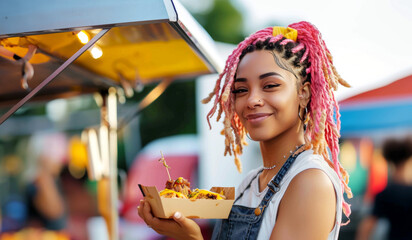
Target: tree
224,22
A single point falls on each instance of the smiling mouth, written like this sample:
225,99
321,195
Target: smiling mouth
258,117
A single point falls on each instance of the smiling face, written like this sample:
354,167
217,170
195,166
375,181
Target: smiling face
266,98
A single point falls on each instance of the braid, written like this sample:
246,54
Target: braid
309,58
321,127
225,100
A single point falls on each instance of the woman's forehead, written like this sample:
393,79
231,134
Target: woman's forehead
259,62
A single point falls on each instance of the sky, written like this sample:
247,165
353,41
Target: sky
370,40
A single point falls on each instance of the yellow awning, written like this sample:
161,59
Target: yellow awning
145,52
147,41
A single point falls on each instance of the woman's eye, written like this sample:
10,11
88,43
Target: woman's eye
271,86
239,90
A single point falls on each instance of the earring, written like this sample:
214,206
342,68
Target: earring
304,116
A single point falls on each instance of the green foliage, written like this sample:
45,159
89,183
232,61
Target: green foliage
174,112
223,22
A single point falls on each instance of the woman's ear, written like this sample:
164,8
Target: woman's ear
304,95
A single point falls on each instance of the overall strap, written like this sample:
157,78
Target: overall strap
274,184
248,186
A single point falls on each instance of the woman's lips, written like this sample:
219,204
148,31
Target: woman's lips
257,117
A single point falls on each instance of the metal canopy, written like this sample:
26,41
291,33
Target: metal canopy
140,41
147,41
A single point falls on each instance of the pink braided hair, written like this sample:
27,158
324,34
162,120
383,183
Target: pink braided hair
322,132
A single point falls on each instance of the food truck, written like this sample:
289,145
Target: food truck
62,49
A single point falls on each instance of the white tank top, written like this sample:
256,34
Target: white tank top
306,160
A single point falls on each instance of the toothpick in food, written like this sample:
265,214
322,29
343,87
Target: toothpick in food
163,160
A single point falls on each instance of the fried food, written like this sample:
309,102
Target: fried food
167,193
180,185
205,194
180,188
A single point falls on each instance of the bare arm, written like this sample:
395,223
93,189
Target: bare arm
48,200
307,210
366,227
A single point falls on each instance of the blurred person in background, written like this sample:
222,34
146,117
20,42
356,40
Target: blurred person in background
394,203
45,199
46,158
32,197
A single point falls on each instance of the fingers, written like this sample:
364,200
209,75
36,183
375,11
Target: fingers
139,209
161,226
184,222
180,219
178,227
190,227
145,212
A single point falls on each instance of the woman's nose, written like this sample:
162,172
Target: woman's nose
254,100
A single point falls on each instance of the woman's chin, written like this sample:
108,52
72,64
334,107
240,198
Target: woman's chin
259,137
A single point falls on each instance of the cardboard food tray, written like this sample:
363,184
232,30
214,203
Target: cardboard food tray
199,208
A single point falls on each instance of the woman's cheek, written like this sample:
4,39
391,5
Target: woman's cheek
239,108
238,105
283,99
277,101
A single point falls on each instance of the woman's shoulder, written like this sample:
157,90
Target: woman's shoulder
309,157
309,202
310,160
312,169
314,179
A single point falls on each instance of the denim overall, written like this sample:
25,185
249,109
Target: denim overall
244,222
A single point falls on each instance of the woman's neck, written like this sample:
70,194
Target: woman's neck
276,151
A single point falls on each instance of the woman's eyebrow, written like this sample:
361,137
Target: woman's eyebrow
240,80
269,74
260,77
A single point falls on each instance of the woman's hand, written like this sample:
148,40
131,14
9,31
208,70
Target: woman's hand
178,228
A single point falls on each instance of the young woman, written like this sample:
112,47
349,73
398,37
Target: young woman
278,88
